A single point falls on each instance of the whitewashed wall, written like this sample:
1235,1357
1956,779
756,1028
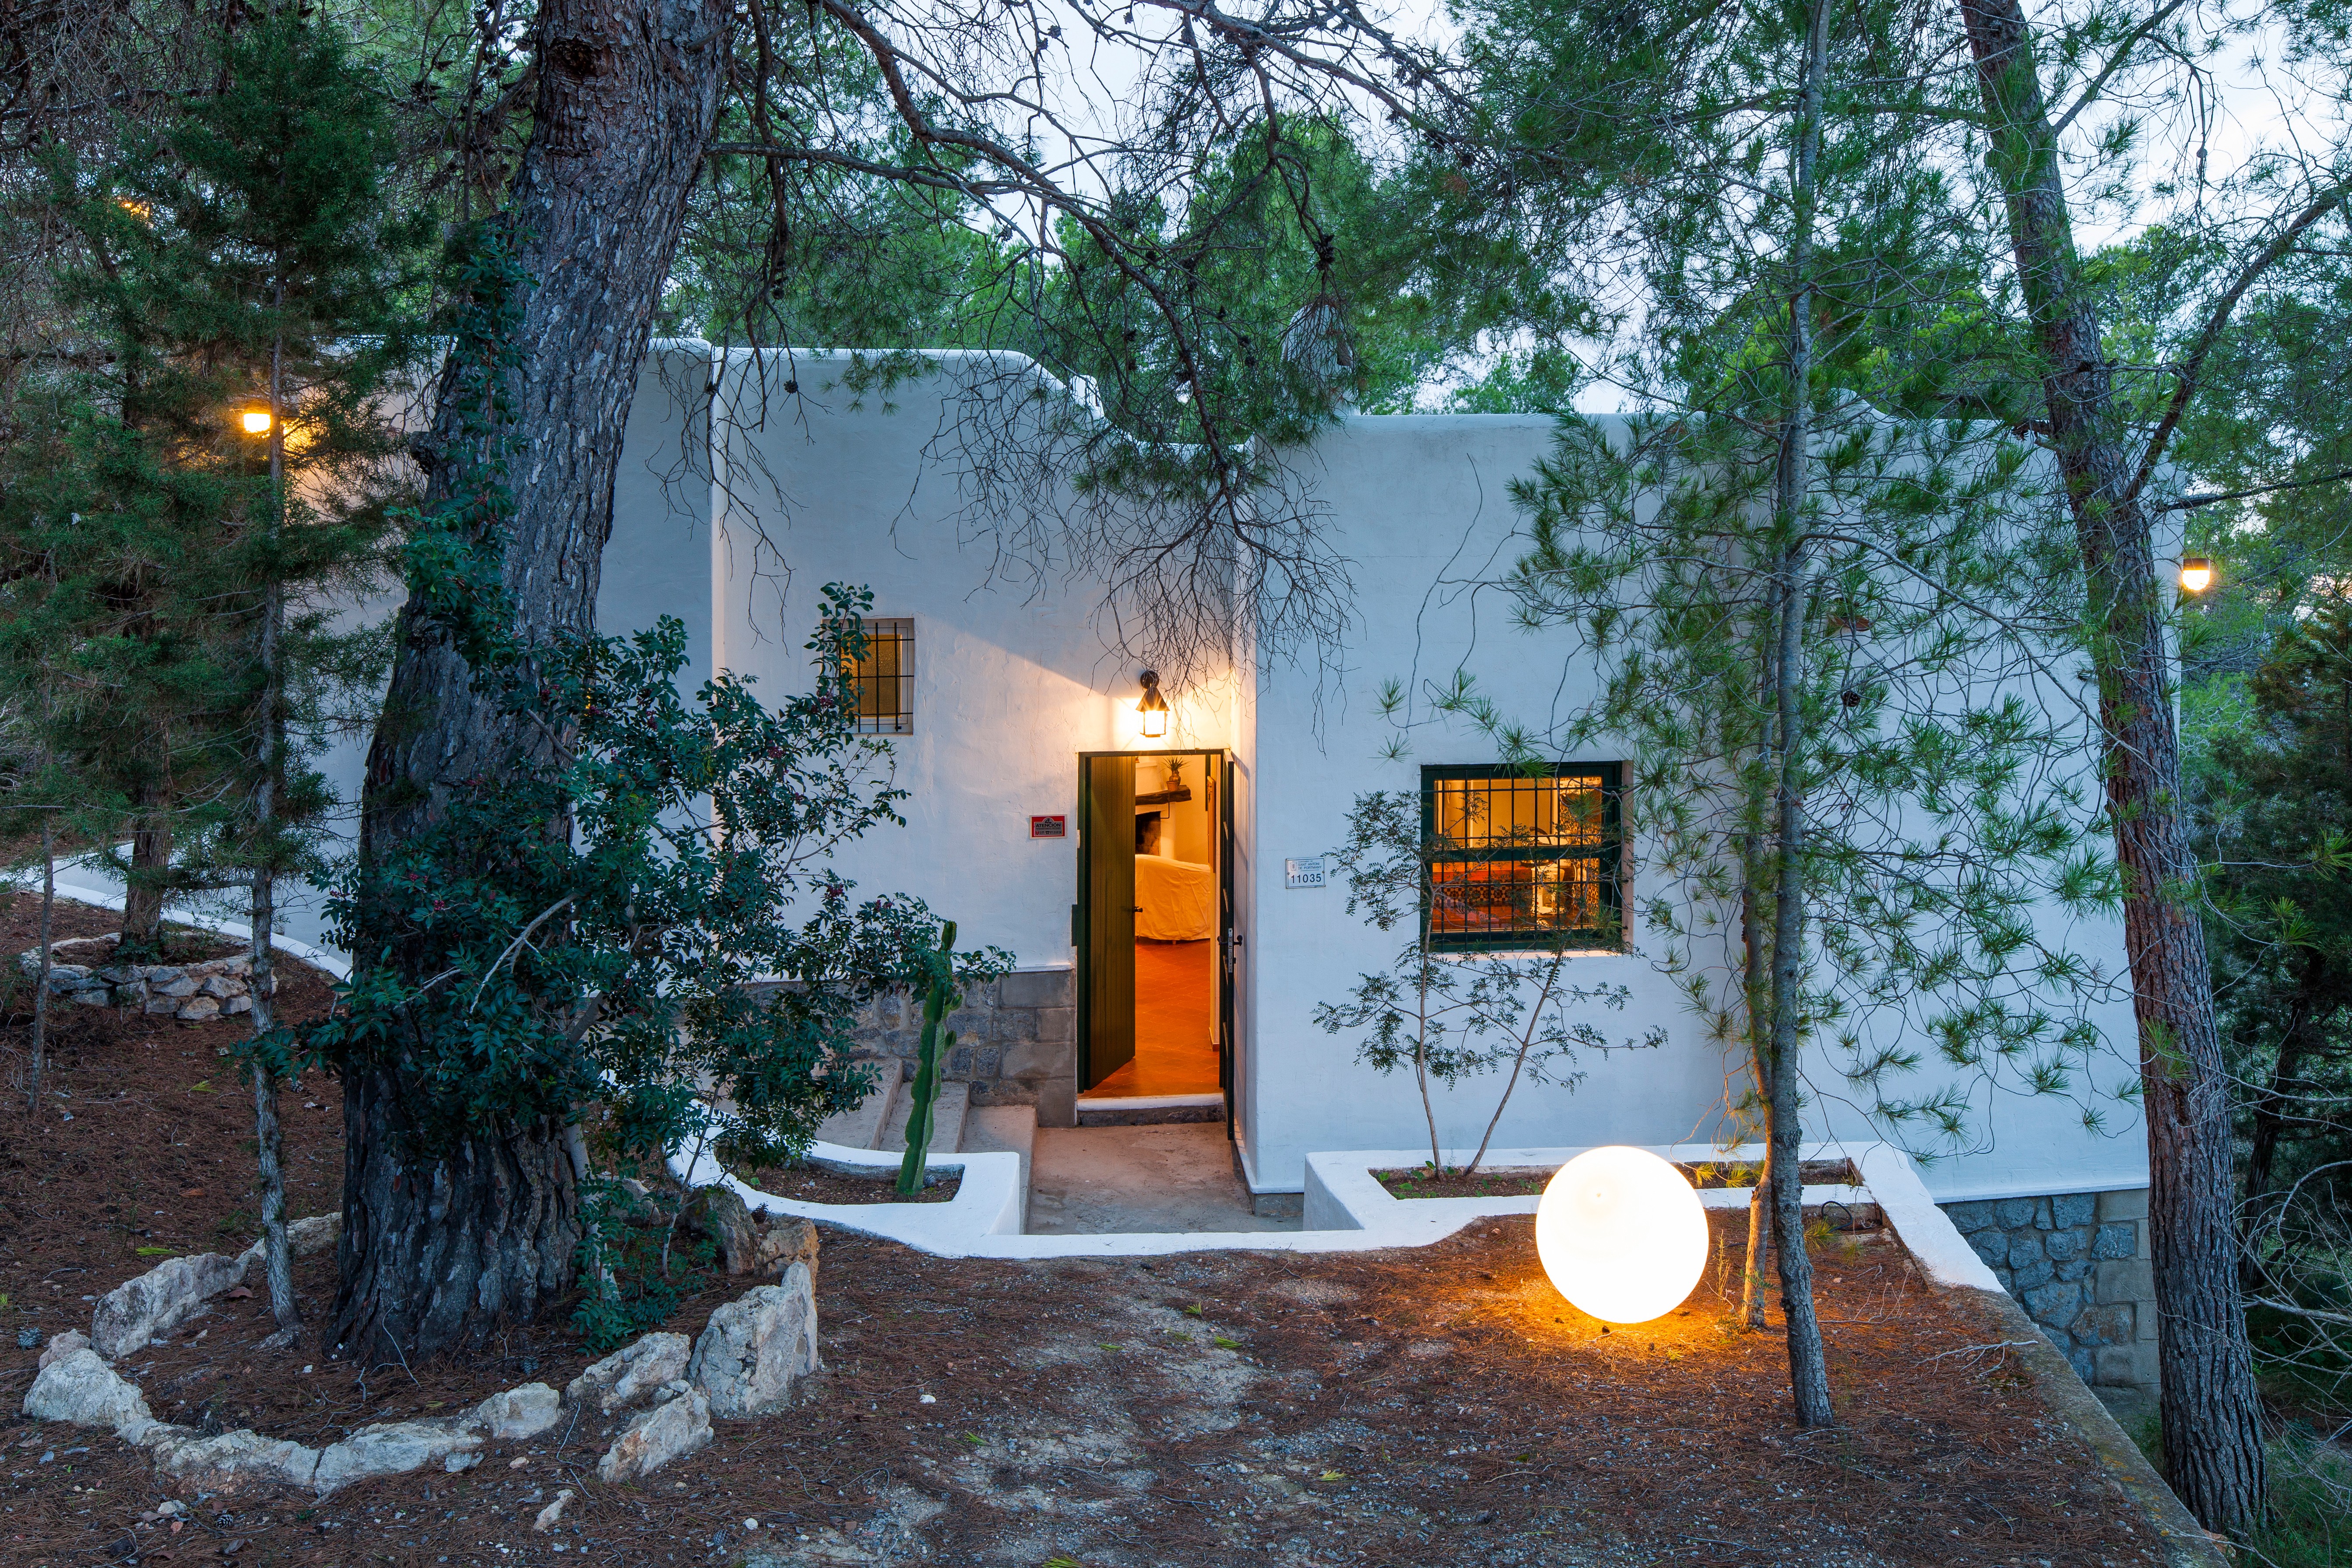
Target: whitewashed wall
1013,675
1421,507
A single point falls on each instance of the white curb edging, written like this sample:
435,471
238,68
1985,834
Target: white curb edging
1347,1209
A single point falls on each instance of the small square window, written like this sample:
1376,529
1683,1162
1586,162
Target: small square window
885,678
1519,859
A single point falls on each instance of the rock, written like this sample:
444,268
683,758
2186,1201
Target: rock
788,1240
316,1234
755,1348
303,1237
159,1004
82,1389
552,1513
719,1213
632,1373
197,1010
672,1429
63,1345
393,1449
141,1311
231,1461
457,1464
221,987
520,1413
96,996
236,1004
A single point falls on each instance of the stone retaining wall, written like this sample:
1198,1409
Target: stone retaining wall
216,987
2078,1264
1017,1041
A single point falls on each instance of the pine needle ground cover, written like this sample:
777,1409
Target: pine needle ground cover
1440,1406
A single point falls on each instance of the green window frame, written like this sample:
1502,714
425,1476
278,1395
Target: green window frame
1518,858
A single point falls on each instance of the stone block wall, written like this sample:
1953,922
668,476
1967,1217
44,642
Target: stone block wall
2078,1264
1017,1041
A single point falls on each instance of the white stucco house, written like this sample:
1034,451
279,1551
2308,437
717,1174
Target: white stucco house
1024,742
1155,873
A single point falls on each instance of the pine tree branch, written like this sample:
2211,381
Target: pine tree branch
2116,62
2324,202
2187,502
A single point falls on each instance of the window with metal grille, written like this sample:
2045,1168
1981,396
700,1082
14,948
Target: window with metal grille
1519,859
885,678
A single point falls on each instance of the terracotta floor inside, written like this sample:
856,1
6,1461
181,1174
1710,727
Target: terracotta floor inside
1175,989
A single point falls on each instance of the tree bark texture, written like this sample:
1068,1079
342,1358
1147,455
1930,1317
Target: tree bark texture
151,867
268,1136
439,1252
2211,1413
1809,1378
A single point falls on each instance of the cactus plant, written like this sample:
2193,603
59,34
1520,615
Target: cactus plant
939,995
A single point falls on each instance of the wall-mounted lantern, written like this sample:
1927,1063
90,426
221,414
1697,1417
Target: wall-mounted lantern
1154,707
2195,575
1622,1234
255,421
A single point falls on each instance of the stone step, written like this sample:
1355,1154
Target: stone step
947,1119
1150,1110
861,1127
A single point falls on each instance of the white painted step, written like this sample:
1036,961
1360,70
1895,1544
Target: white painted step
946,1119
861,1126
1004,1129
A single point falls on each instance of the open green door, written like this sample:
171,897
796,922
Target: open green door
1107,884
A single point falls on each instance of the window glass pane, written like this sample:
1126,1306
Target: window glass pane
1513,810
1503,898
885,678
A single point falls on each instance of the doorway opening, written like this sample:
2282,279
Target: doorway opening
1154,920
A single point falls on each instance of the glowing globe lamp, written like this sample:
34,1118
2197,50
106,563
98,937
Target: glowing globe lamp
2195,575
1622,1234
256,421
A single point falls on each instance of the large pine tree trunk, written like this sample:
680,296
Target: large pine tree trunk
439,1253
151,867
2211,1413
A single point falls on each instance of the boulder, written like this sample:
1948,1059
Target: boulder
631,1373
63,1345
520,1413
232,1461
197,1010
787,1240
652,1438
719,1213
393,1449
139,1311
755,1348
82,1389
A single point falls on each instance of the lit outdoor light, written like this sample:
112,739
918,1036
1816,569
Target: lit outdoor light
1622,1234
256,421
2195,575
1154,707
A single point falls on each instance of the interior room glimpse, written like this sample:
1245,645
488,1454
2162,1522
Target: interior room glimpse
1166,1002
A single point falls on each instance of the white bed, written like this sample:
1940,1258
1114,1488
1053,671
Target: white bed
1176,899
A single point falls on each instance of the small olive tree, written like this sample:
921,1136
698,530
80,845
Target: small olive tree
1453,1016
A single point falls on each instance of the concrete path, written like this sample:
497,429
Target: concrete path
1088,1181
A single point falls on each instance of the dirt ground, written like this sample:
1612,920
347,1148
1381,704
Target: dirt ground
1426,1407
